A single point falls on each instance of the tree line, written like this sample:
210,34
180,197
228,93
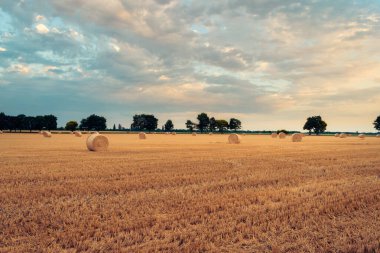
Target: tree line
143,122
23,122
205,123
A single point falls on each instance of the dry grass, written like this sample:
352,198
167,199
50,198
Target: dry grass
189,194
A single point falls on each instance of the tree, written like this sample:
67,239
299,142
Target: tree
212,124
114,127
190,125
376,123
4,124
169,125
204,121
93,122
71,125
144,122
316,124
221,124
19,122
234,124
50,122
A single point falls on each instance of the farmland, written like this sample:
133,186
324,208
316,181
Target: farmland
183,193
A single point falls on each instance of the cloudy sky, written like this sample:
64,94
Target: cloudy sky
269,63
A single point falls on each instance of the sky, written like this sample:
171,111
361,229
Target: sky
269,63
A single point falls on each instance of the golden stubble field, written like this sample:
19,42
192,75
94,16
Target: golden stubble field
188,193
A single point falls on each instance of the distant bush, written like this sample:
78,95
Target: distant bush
282,130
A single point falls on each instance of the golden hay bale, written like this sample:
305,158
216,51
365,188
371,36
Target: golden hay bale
343,135
77,134
97,142
142,136
1,131
274,135
234,139
174,133
210,133
361,136
167,133
296,137
194,134
377,135
337,135
282,135
46,134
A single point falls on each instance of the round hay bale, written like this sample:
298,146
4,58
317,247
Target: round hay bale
234,139
273,135
142,136
343,135
1,131
97,142
361,136
377,135
210,133
296,137
167,133
174,133
337,135
46,134
282,135
78,134
194,134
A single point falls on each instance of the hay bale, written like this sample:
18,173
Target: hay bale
234,139
194,134
97,142
46,134
273,135
167,133
1,131
210,133
377,135
174,133
142,136
361,136
77,134
337,135
296,137
343,135
282,135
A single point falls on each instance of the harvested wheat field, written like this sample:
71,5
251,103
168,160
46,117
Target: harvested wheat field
185,194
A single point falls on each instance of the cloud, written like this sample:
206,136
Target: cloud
42,29
288,59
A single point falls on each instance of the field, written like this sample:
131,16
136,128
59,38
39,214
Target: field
188,193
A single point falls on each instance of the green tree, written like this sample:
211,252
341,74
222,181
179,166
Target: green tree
50,122
316,124
376,123
190,125
93,122
3,121
212,124
234,124
221,124
144,122
71,125
169,125
114,127
204,121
